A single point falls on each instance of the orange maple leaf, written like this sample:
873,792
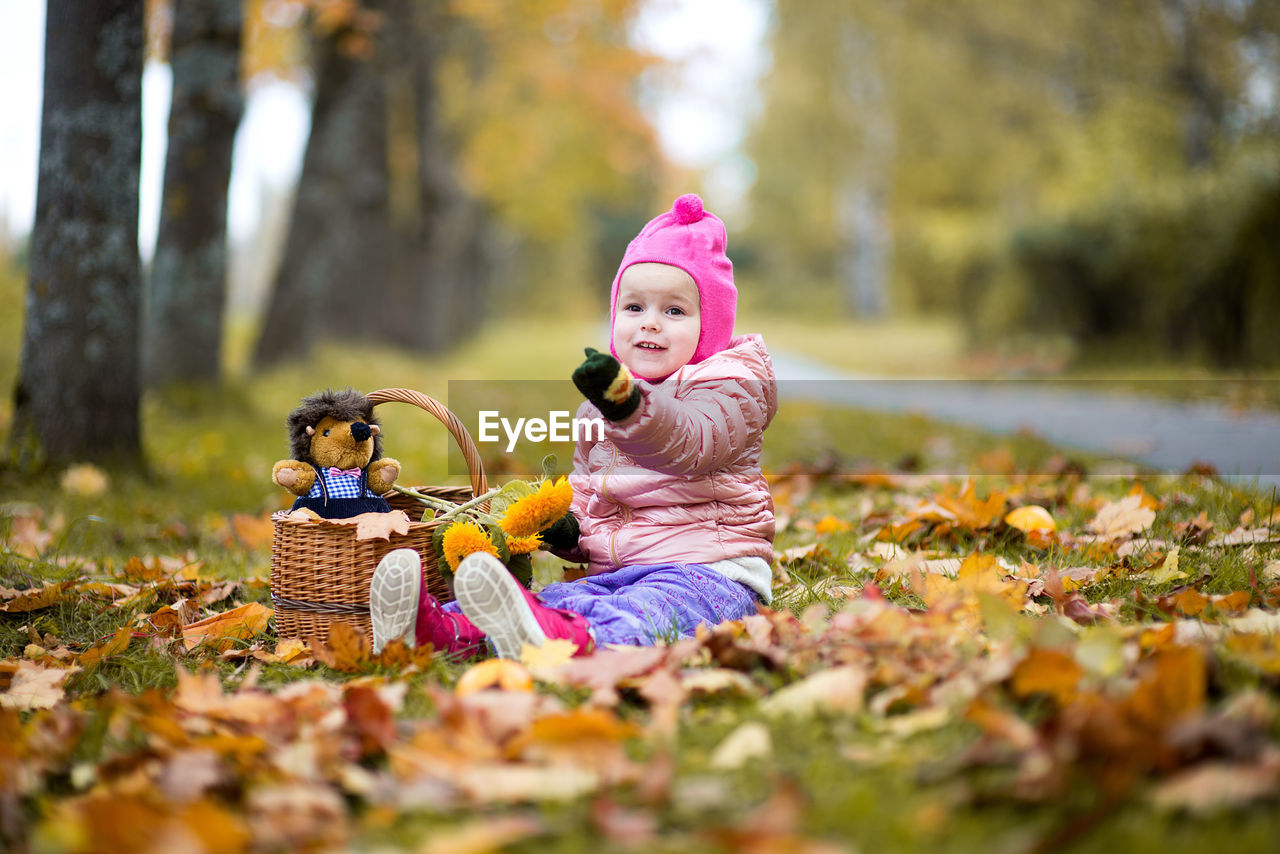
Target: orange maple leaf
43,597
346,649
222,630
971,512
113,645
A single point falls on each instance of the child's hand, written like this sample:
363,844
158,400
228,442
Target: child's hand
562,536
607,383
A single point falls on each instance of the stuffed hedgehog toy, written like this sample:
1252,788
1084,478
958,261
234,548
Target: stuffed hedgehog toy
337,468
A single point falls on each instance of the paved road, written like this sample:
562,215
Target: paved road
1162,434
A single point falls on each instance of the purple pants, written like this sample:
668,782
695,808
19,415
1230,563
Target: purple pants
638,605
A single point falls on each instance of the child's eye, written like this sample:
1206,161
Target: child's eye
633,307
675,310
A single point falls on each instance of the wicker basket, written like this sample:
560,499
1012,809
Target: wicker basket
320,572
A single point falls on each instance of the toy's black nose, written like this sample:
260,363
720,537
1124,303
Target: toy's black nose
360,431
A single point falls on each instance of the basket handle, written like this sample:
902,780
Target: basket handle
479,484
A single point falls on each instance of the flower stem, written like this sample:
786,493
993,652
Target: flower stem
436,503
479,499
450,509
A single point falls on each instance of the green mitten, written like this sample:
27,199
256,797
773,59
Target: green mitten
562,536
607,383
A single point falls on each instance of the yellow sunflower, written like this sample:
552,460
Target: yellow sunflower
531,514
464,538
523,545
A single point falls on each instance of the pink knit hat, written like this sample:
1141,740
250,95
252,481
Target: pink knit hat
693,240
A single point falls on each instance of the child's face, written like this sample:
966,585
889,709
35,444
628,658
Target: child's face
656,320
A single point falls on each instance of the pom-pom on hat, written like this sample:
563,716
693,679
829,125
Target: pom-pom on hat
694,240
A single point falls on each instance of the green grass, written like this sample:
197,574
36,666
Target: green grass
837,777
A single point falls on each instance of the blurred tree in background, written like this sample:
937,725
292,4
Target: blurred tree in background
1101,173
456,155
186,288
78,388
1104,170
463,154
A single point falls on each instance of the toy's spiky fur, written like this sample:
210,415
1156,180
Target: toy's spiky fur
345,405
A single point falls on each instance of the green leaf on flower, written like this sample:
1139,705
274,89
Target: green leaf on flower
549,465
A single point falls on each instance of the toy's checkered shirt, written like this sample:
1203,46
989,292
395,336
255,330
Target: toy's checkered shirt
340,483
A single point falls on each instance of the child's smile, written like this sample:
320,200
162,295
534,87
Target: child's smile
656,323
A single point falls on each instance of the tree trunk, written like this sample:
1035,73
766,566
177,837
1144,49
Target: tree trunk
384,244
78,390
1204,109
864,264
452,226
334,269
187,289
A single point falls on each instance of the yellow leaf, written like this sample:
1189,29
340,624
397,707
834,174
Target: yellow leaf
1261,651
223,630
969,511
915,722
547,658
1145,498
1101,650
1047,671
578,726
113,645
1173,686
115,593
977,574
1192,603
718,680
1122,518
288,651
978,570
1032,517
494,673
1168,570
481,836
135,822
831,525
85,480
836,690
749,741
508,783
32,600
999,723
1233,602
252,531
35,687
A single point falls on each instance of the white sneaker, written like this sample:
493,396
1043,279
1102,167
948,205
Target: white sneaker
393,598
493,600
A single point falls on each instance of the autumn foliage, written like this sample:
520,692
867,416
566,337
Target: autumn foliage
1044,641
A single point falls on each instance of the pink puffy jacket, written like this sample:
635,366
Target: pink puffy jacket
680,481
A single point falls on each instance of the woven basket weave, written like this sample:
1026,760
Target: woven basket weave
320,572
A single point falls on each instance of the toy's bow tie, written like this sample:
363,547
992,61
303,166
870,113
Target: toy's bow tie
334,471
